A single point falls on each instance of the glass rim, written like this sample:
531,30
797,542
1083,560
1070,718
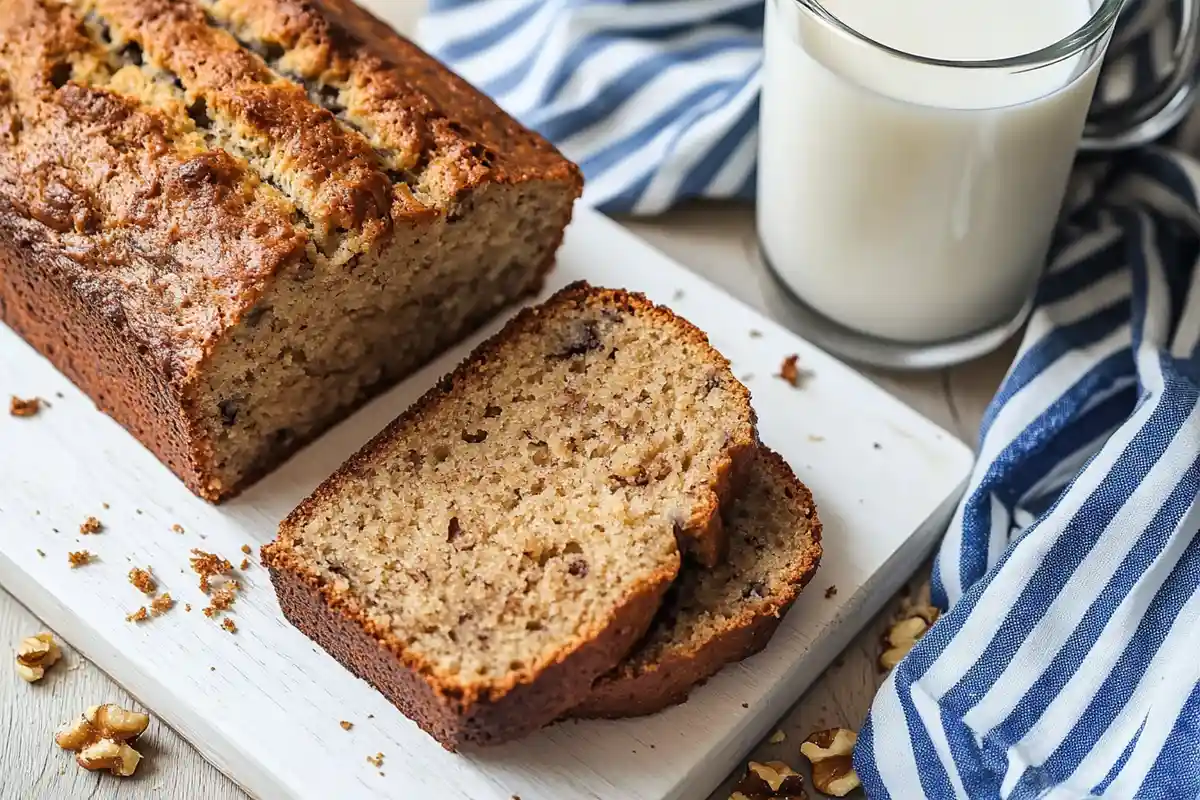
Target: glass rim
1083,37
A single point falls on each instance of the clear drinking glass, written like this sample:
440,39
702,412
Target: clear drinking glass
906,204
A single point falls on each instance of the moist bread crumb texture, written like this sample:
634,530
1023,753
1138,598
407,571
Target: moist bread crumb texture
717,616
232,221
510,537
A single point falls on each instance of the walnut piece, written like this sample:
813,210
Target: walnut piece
773,780
832,755
35,654
100,738
24,408
903,636
790,371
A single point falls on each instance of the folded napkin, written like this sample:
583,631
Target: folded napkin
1068,663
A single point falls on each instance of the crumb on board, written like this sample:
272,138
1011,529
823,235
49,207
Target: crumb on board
755,334
138,510
143,580
229,625
222,598
831,592
40,552
346,725
245,565
24,408
209,566
877,446
813,437
247,549
370,716
90,525
791,372
105,506
677,296
777,737
177,528
79,558
138,616
375,760
187,607
749,376
162,604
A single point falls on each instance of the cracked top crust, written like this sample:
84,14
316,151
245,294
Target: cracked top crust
172,156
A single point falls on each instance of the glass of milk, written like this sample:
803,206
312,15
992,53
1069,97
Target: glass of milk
913,159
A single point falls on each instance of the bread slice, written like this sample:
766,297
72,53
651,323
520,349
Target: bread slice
711,618
510,537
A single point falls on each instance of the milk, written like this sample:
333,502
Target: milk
907,201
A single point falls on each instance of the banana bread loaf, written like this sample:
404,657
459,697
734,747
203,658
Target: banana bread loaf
715,617
509,538
232,221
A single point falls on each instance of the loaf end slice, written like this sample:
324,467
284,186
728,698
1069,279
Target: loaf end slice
711,618
509,538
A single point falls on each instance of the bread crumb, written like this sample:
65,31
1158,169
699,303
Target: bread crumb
105,506
830,592
745,705
138,616
143,580
677,296
370,716
91,525
79,558
40,552
247,549
877,446
162,604
222,598
755,334
24,408
749,376
792,373
375,760
245,565
208,566
777,737
813,437
346,725
228,625
187,607
177,528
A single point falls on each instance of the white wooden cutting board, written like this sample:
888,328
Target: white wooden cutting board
264,704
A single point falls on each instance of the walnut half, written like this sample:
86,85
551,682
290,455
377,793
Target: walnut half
100,738
832,755
903,636
35,654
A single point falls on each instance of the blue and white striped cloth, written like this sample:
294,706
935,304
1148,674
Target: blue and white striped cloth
1068,663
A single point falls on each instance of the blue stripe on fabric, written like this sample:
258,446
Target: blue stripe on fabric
935,781
465,48
1176,771
1128,672
703,173
1062,559
617,93
865,763
1074,651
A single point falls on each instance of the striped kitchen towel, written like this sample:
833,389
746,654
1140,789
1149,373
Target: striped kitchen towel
1068,662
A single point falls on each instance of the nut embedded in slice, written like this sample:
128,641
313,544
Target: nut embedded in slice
903,636
100,738
832,755
772,780
35,654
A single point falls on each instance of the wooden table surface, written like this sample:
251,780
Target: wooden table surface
715,240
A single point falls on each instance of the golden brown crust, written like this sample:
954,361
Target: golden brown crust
501,709
638,687
168,177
